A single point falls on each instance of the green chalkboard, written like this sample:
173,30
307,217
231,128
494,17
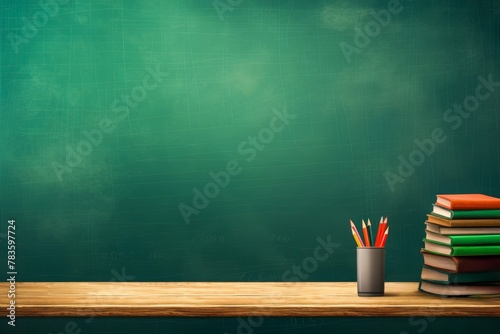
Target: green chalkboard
225,140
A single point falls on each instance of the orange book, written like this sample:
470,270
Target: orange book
468,202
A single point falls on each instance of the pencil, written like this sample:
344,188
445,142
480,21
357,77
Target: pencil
355,237
377,239
357,234
365,234
384,227
384,238
370,232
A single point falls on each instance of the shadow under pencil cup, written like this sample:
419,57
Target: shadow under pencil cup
370,263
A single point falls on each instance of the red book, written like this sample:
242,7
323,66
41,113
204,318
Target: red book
468,202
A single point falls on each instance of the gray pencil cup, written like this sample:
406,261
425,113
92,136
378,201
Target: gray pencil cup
370,262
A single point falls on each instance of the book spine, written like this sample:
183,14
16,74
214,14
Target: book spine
467,277
473,205
479,277
474,240
474,250
464,214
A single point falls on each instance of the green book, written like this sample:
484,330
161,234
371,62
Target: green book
440,248
463,240
464,214
445,277
479,289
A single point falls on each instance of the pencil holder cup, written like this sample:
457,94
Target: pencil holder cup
370,262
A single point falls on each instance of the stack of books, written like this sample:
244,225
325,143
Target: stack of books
462,246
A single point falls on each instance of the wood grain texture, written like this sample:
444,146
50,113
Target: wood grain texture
205,299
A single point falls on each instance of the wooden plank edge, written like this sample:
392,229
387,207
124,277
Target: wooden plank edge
279,311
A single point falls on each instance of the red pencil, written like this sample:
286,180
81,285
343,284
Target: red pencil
365,234
384,238
382,228
377,239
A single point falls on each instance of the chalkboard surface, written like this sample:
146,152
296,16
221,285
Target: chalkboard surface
226,140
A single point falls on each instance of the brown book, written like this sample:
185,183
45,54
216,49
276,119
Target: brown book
462,264
462,222
461,230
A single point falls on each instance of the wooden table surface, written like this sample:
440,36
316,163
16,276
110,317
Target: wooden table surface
200,299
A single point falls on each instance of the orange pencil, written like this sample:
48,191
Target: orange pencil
377,239
354,230
365,234
384,238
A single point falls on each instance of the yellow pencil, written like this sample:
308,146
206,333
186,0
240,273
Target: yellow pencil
355,237
354,230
